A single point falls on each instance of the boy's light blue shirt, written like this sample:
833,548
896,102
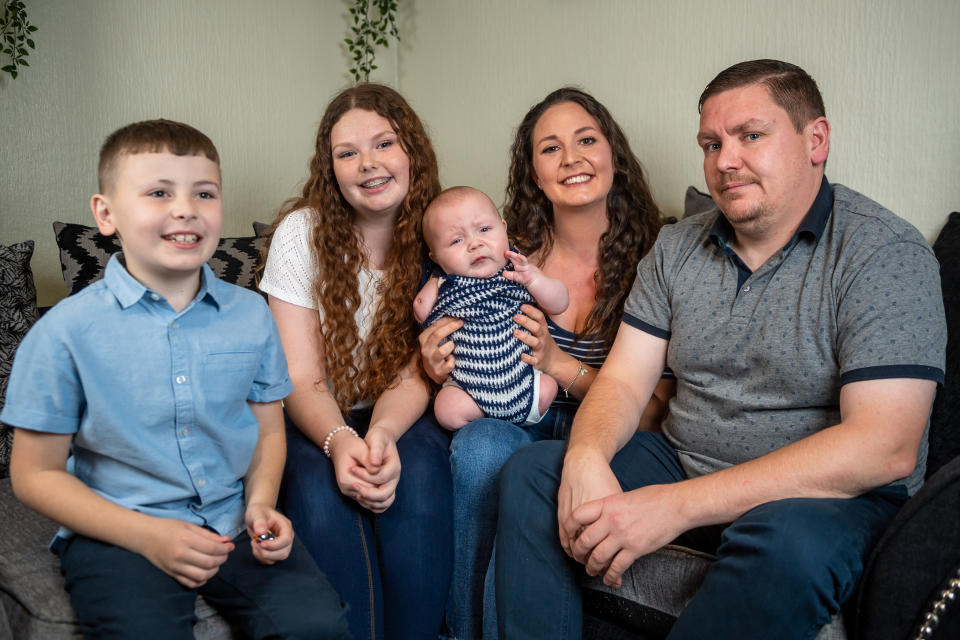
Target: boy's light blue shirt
156,400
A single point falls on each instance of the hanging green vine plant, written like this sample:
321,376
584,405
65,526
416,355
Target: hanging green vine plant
15,31
373,22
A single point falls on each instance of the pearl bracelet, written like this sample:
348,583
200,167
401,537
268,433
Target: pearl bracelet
335,431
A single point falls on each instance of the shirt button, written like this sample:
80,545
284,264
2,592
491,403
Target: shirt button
746,288
175,325
185,431
181,379
201,482
154,297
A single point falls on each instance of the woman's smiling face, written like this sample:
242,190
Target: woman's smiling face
572,159
371,167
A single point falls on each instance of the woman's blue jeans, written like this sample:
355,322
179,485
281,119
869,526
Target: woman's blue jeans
392,569
782,569
477,453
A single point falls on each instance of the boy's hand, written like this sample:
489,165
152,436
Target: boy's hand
380,472
262,518
189,554
523,272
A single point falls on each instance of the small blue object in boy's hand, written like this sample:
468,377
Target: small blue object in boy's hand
266,536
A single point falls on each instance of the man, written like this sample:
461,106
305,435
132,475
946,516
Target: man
805,327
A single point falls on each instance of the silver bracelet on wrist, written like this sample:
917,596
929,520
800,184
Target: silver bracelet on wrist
581,371
333,432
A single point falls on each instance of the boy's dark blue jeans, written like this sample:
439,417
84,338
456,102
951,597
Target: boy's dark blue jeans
119,594
782,569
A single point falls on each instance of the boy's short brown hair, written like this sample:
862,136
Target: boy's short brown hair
152,136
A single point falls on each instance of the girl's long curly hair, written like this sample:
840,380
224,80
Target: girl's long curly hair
336,247
634,219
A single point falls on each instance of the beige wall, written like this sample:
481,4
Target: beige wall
889,72
256,81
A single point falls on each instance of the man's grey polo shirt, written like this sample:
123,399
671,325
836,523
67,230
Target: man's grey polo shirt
760,357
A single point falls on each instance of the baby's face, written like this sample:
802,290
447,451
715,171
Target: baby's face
467,237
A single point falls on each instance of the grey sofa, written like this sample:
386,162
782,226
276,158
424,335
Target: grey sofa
909,570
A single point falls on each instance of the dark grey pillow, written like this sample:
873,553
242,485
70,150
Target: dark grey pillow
84,253
695,201
18,312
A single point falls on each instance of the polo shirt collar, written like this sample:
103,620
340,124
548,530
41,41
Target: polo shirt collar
128,290
812,225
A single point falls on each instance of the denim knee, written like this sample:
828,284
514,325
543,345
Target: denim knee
793,543
480,449
530,479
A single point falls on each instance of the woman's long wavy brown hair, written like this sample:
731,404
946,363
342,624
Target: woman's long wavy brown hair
634,219
336,246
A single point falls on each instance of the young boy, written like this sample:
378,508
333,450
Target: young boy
148,422
468,240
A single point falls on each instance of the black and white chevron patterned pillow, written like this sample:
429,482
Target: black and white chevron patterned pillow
18,312
84,253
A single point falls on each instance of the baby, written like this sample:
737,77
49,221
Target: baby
468,240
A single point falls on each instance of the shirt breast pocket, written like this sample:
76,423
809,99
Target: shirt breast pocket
234,369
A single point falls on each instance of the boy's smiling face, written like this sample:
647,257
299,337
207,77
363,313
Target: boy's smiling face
167,211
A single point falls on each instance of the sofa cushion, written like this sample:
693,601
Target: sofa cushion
31,587
912,562
84,253
656,588
696,201
18,312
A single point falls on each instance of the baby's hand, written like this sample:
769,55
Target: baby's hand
523,272
271,534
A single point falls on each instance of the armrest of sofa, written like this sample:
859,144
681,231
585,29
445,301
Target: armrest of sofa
911,562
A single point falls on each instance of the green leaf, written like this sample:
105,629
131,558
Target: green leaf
13,74
24,63
31,44
31,28
9,68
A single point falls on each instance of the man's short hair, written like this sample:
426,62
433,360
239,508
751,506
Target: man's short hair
152,136
790,87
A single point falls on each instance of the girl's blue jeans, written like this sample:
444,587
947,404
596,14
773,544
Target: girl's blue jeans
477,453
392,569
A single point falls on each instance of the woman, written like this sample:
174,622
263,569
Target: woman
343,266
578,205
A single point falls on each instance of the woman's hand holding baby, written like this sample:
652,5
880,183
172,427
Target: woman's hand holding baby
544,354
438,358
